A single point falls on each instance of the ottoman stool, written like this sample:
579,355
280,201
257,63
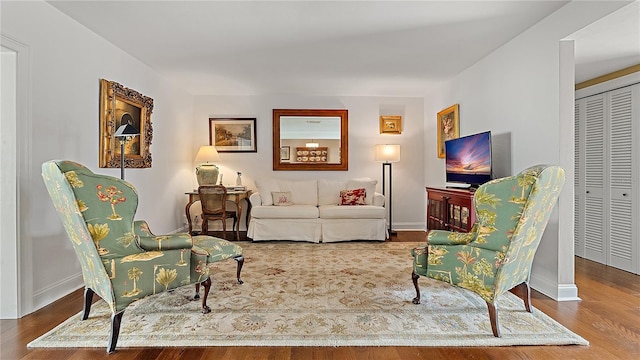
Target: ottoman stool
217,250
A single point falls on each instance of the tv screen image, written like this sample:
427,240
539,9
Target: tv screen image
468,159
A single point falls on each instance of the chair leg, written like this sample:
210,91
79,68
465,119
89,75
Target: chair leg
205,295
197,295
88,299
415,277
224,228
240,260
493,317
525,291
115,331
237,230
205,226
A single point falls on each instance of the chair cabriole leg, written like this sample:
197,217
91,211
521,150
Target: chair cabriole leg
207,286
116,319
526,289
415,277
240,260
493,317
88,299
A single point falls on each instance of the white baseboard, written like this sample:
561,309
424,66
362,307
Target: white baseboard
558,292
57,290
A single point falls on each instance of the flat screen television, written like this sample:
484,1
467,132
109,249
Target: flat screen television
468,160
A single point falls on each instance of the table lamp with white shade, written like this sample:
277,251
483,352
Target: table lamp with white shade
206,171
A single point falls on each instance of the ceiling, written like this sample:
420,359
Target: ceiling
364,48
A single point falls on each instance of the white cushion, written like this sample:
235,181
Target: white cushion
329,191
367,183
285,212
302,192
281,198
352,212
265,187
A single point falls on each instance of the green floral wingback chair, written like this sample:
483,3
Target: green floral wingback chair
121,260
497,254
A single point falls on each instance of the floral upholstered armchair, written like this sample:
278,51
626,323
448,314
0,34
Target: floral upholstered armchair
497,254
121,260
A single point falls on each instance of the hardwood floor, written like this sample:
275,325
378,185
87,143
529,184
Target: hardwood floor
608,317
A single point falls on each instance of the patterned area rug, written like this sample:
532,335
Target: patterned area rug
303,294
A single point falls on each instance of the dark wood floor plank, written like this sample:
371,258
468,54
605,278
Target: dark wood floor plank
608,317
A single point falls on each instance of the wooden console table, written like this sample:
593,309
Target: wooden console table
450,209
235,196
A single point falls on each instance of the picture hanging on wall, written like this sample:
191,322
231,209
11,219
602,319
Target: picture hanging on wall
120,106
390,124
233,134
448,127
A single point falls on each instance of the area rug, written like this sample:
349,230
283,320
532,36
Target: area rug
304,294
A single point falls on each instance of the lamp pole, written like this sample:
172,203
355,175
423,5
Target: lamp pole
384,165
124,133
122,140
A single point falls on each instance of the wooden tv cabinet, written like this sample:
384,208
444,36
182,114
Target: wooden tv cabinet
450,209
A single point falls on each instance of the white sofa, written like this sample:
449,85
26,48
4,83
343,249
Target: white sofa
314,212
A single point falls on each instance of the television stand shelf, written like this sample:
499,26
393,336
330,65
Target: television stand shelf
450,209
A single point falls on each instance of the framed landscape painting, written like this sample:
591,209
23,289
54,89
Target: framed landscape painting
448,127
233,134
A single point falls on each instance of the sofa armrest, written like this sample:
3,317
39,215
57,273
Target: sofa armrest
255,199
378,199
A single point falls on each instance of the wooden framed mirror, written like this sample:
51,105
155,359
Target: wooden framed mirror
310,139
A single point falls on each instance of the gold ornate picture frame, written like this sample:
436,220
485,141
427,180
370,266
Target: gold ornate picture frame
120,105
448,127
390,124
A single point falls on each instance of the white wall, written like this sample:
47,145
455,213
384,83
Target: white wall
364,133
67,61
515,92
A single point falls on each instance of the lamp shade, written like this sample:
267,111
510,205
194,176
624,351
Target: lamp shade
388,153
207,154
126,130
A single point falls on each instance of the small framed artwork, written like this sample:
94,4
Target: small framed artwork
448,127
119,106
233,134
390,124
285,153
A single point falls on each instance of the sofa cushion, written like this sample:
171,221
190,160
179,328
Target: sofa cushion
329,191
352,212
368,184
353,197
285,212
302,192
281,198
265,187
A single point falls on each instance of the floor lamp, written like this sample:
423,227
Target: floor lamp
124,133
388,154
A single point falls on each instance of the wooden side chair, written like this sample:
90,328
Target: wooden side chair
213,199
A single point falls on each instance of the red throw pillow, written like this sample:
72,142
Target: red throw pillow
353,197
